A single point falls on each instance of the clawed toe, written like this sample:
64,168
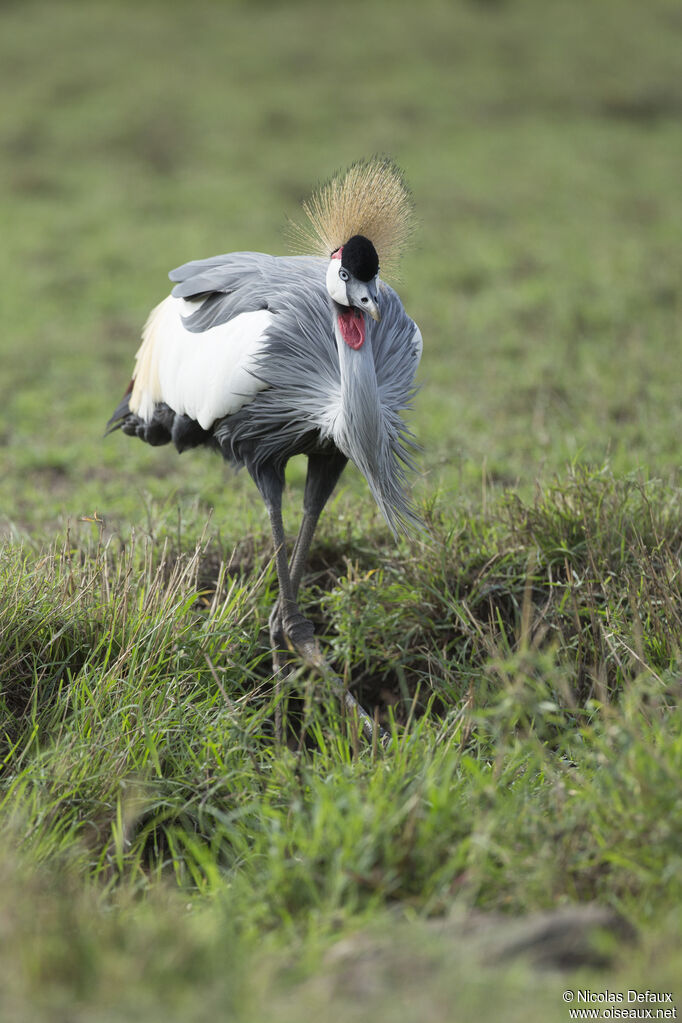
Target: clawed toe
299,632
293,632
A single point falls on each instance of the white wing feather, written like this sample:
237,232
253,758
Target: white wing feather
203,375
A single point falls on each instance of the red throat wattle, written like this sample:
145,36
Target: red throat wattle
352,327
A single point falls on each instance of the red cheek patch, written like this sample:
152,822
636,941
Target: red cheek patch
337,253
352,327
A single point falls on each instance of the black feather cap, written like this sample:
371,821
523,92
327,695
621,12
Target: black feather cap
359,258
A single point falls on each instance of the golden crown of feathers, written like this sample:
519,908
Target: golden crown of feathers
371,199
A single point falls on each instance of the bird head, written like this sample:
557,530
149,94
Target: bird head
352,283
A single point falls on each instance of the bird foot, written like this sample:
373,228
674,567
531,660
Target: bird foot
293,632
296,634
300,634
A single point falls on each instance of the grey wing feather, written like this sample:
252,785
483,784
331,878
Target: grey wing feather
396,356
219,273
240,282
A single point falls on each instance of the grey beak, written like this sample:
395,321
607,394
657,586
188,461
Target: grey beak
364,297
373,309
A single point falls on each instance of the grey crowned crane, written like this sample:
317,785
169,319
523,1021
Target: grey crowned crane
264,357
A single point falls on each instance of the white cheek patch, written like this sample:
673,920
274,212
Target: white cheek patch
335,286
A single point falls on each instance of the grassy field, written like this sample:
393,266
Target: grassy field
163,858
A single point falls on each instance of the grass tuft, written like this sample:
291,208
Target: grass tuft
521,663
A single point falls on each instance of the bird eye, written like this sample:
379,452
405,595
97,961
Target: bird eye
343,274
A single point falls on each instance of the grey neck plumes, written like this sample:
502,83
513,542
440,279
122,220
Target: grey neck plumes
360,430
360,419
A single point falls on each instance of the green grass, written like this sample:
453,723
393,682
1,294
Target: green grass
163,857
532,657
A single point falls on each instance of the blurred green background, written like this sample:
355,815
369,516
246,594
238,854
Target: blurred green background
541,140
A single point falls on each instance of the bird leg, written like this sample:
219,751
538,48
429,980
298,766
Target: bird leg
287,624
278,641
296,565
323,474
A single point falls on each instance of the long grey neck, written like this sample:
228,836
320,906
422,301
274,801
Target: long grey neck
359,431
